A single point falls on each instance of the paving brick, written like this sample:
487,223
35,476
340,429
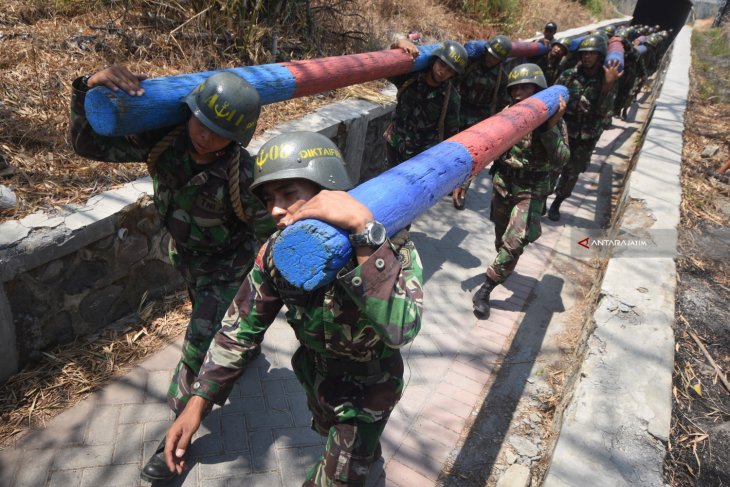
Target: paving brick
267,479
36,466
268,419
296,462
479,341
484,332
68,428
153,430
476,374
263,451
501,321
83,456
102,426
444,418
457,394
274,395
227,465
142,413
299,410
158,382
165,359
66,478
125,390
212,423
433,449
481,359
436,432
249,404
458,408
233,429
405,476
110,476
250,383
297,437
292,386
129,444
465,383
421,463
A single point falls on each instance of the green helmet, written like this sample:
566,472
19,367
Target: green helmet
563,41
228,105
653,40
527,74
622,32
301,155
454,55
551,27
594,43
610,30
500,47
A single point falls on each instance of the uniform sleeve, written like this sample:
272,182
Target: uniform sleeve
251,313
388,289
89,144
555,145
605,103
263,224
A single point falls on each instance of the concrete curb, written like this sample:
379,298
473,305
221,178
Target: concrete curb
616,426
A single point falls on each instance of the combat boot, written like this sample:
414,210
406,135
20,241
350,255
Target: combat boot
554,212
481,298
156,468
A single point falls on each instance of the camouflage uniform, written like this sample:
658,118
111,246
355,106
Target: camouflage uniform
522,179
349,361
585,116
626,84
552,68
477,88
210,246
415,125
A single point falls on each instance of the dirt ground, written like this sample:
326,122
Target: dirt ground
700,439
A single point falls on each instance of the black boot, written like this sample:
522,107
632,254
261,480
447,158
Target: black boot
156,468
554,212
481,299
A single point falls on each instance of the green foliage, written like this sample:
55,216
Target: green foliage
711,64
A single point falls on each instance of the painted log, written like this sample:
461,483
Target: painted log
615,53
401,194
115,113
476,49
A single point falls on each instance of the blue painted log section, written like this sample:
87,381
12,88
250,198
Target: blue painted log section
640,49
574,43
114,113
310,253
615,53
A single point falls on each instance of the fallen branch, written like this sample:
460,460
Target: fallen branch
720,374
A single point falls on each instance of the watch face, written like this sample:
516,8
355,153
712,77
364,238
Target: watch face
377,233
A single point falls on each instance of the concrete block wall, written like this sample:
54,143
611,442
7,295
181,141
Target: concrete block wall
75,272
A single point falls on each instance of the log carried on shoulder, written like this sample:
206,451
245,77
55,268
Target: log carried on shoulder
403,193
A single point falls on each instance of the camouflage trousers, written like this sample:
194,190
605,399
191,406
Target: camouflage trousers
210,295
351,411
516,224
581,151
625,93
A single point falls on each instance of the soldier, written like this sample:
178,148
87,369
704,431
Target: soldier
427,111
633,71
522,180
592,93
201,175
548,33
483,93
553,63
350,331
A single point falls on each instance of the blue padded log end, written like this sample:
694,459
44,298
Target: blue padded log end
475,49
424,56
310,253
551,97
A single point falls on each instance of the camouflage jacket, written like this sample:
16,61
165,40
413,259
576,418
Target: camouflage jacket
193,199
531,165
367,313
587,107
415,125
477,88
551,68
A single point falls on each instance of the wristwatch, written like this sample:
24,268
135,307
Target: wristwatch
373,235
